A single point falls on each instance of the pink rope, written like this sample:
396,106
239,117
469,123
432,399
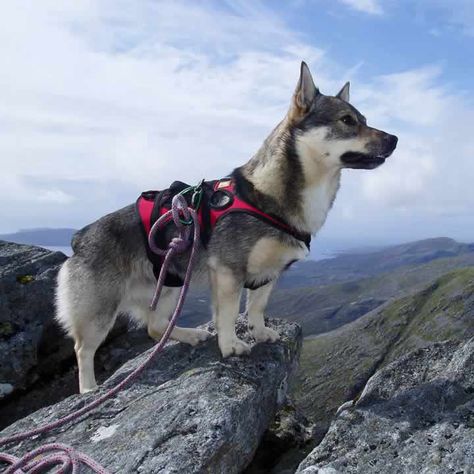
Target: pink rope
65,456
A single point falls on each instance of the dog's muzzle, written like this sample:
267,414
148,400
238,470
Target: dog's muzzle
371,160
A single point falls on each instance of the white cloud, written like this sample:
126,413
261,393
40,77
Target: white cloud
427,177
435,148
102,99
403,184
413,97
457,15
144,93
54,195
372,7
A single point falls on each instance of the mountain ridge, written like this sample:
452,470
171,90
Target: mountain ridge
60,237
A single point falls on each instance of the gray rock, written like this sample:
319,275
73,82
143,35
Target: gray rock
189,412
416,415
61,380
335,367
27,280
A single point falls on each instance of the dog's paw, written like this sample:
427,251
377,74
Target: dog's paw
234,346
85,390
194,336
264,334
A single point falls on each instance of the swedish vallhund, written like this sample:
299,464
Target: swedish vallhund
257,221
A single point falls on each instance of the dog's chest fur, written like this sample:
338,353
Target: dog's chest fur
322,179
317,200
270,256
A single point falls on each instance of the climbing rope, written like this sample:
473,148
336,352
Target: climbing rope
66,457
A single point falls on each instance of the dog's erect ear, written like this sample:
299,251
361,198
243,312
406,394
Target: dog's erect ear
344,92
305,93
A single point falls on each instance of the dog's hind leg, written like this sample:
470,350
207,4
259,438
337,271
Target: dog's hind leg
158,320
256,303
87,341
87,314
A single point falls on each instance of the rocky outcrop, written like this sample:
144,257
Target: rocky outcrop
414,415
57,382
27,329
37,362
190,411
335,366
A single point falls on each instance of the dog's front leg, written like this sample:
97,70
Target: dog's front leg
256,303
226,293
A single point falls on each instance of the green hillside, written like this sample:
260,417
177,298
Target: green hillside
335,366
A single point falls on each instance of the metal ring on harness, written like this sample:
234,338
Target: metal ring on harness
195,199
221,199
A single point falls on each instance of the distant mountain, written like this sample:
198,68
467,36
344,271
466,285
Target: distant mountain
324,295
325,307
335,366
42,237
352,266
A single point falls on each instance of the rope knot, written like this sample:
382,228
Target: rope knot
179,210
178,244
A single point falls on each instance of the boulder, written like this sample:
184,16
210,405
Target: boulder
335,366
190,411
414,415
37,362
27,329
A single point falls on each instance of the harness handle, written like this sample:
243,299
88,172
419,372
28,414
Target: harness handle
196,199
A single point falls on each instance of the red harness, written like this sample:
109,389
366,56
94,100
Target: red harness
220,199
236,204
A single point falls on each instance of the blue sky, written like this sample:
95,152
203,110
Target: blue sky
102,99
392,36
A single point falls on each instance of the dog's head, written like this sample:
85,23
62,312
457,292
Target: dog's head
332,131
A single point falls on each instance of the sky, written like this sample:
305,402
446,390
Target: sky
104,99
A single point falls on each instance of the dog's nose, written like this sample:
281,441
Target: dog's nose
391,141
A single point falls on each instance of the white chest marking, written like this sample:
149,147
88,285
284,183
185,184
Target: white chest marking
317,201
270,256
322,172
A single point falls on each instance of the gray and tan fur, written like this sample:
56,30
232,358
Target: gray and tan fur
295,175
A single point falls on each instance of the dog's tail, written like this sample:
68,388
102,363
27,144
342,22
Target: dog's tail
63,299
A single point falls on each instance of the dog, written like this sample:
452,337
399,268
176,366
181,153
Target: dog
294,176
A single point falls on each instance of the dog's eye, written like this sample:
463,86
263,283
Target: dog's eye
349,120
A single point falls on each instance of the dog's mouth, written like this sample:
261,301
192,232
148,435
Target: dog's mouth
357,160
